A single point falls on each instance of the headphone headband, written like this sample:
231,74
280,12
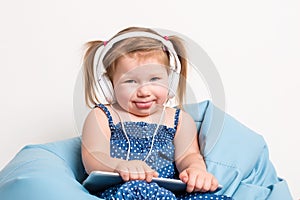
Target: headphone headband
101,51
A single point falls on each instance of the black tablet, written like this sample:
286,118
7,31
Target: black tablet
99,181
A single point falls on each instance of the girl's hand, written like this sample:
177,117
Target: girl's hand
198,180
135,170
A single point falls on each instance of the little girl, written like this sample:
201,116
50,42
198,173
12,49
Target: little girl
135,134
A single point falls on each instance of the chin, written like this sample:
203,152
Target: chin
143,112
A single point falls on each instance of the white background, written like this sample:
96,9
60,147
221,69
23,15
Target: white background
255,46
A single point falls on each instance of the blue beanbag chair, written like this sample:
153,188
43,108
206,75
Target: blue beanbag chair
236,155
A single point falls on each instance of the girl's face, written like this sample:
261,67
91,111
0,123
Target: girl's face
140,85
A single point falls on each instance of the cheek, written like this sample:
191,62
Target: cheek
164,93
164,88
123,93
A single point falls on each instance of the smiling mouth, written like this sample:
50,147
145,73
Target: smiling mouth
144,105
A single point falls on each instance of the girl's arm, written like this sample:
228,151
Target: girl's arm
96,151
189,161
95,142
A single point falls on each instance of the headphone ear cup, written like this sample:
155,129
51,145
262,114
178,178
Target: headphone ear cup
173,83
107,88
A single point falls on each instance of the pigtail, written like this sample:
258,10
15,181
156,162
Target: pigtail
90,93
181,53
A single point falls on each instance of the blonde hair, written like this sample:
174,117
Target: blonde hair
137,46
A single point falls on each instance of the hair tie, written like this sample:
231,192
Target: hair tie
104,43
166,37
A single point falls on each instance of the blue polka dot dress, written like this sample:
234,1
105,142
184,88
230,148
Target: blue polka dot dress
161,159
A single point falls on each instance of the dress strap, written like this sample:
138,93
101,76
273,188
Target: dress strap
176,118
108,115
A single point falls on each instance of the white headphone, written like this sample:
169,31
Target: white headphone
100,70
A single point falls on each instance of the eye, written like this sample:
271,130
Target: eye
129,81
155,79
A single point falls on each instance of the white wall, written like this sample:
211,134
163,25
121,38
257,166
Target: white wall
254,44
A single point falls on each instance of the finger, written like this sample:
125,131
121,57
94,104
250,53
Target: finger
124,173
206,185
149,175
199,184
140,173
133,175
132,170
183,176
215,184
190,185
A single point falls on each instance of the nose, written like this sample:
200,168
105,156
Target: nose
143,91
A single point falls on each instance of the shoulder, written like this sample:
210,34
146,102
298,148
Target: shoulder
97,112
182,114
186,116
96,115
185,120
96,122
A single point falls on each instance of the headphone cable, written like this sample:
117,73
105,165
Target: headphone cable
154,133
